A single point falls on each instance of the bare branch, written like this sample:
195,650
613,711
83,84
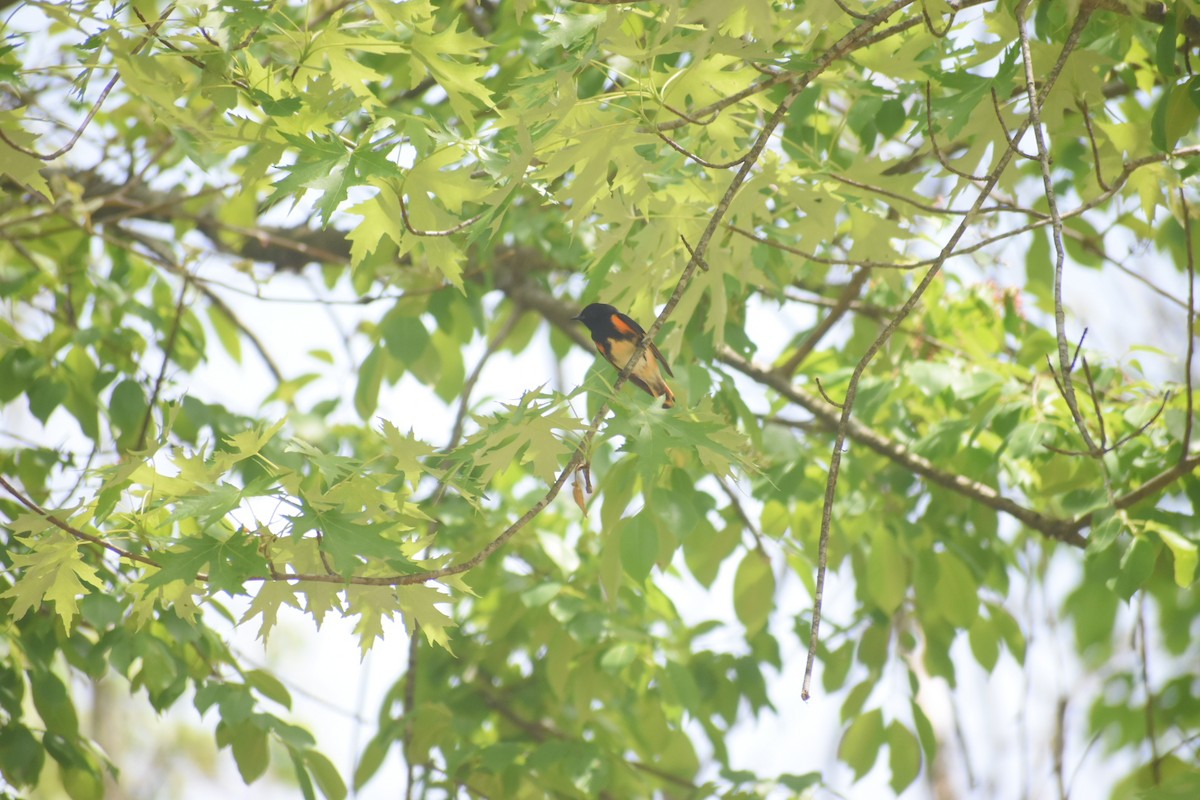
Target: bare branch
1012,142
1191,325
1087,121
466,223
1056,224
932,136
1051,527
674,145
67,528
95,109
852,388
929,22
167,350
736,505
848,296
846,10
1087,373
464,397
1144,660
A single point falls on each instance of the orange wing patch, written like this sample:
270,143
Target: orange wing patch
622,326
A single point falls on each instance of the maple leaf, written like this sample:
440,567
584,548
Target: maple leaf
266,604
53,571
228,562
418,605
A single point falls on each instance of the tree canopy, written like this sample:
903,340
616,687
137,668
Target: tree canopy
924,271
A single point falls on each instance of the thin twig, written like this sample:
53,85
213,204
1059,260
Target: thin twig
1185,450
1155,761
849,294
464,397
825,395
846,10
674,145
95,109
1078,348
1012,144
736,505
1087,374
1058,743
167,350
912,201
693,120
852,388
1087,122
68,528
692,253
937,153
466,223
1056,223
410,704
930,26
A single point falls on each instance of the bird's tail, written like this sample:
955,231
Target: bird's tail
660,389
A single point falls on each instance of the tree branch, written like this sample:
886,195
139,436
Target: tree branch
1034,99
1051,527
852,388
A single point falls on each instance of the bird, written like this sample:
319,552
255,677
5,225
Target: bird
616,337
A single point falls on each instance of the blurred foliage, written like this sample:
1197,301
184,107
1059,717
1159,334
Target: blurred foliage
470,173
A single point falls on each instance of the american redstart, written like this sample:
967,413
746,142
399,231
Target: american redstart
616,337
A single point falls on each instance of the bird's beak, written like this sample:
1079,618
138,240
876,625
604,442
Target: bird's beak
577,318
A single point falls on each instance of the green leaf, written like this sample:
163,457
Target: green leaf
1184,550
23,168
928,739
302,777
250,752
860,744
44,396
1165,47
1137,565
406,337
619,656
325,774
800,783
269,686
53,571
957,591
418,604
372,756
904,756
227,332
891,118
228,562
82,784
753,591
1026,439
370,378
127,409
985,642
887,572
53,703
21,755
639,546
